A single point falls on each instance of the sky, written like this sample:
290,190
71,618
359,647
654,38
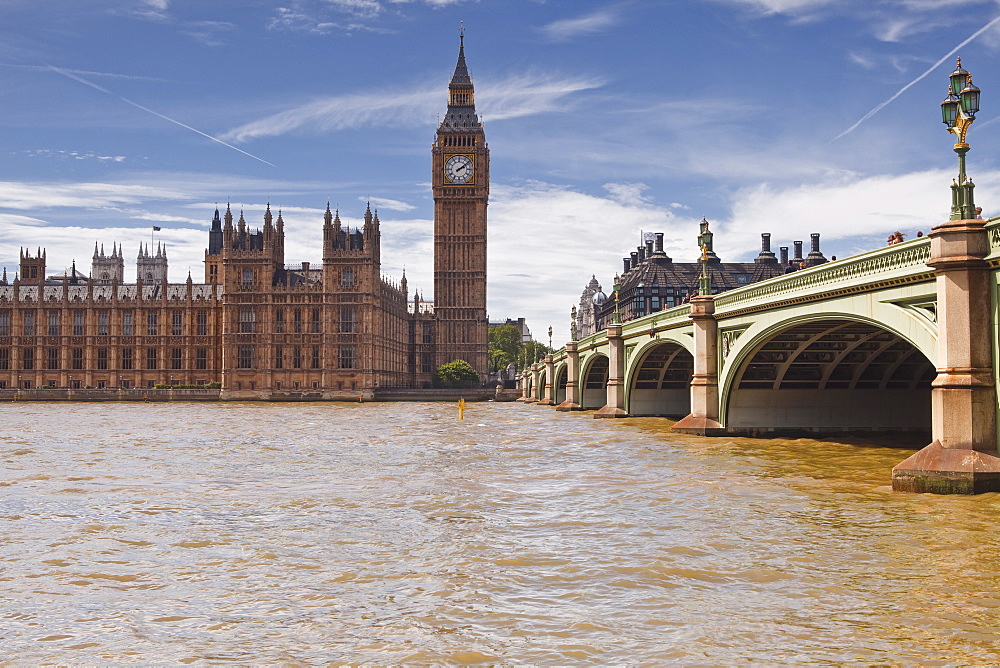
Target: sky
605,119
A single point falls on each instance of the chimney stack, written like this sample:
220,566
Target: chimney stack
766,256
784,255
798,252
815,256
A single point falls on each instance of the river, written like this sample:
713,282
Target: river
389,533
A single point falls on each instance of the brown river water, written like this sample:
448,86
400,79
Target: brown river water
389,533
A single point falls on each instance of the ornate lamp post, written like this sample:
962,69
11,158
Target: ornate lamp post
704,281
958,111
618,315
550,337
572,324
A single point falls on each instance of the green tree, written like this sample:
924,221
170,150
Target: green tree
504,346
457,373
535,351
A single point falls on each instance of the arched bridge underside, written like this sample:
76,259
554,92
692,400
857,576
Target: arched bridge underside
829,375
661,381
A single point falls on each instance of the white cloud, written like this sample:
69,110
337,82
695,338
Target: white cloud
510,98
545,241
790,7
588,24
387,204
849,210
41,196
627,193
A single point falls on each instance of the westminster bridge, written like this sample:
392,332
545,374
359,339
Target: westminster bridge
899,339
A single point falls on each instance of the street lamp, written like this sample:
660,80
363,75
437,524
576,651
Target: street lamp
572,326
550,337
704,281
618,315
958,111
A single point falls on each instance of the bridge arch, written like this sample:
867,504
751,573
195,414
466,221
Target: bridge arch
559,385
829,372
594,382
659,379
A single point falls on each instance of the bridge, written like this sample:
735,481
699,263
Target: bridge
899,339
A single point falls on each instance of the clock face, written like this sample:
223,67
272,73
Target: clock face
458,169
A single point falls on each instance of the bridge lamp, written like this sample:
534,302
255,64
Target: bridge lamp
958,111
550,337
572,324
618,315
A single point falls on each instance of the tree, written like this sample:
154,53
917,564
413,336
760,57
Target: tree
457,373
536,351
504,346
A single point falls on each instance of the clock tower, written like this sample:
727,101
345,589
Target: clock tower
461,184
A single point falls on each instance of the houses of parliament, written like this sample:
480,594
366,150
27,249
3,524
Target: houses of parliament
261,328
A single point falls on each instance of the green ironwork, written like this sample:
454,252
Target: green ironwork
618,315
704,239
958,111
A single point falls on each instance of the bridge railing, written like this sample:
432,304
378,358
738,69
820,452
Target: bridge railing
906,260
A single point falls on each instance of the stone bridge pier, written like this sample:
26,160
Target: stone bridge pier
963,456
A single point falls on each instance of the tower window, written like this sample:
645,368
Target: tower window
176,324
347,320
53,323
202,323
245,357
102,323
315,321
5,323
127,324
29,324
348,278
248,321
151,325
77,324
348,358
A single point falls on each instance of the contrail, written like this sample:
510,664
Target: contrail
933,67
76,77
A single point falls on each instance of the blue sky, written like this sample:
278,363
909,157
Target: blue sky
604,119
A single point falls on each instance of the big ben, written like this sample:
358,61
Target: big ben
461,183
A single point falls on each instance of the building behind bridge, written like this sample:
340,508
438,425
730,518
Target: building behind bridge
651,281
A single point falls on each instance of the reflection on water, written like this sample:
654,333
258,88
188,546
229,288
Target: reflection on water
395,533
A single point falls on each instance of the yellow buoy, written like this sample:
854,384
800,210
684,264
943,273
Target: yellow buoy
461,408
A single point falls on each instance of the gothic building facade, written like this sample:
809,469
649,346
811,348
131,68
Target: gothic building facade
261,328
